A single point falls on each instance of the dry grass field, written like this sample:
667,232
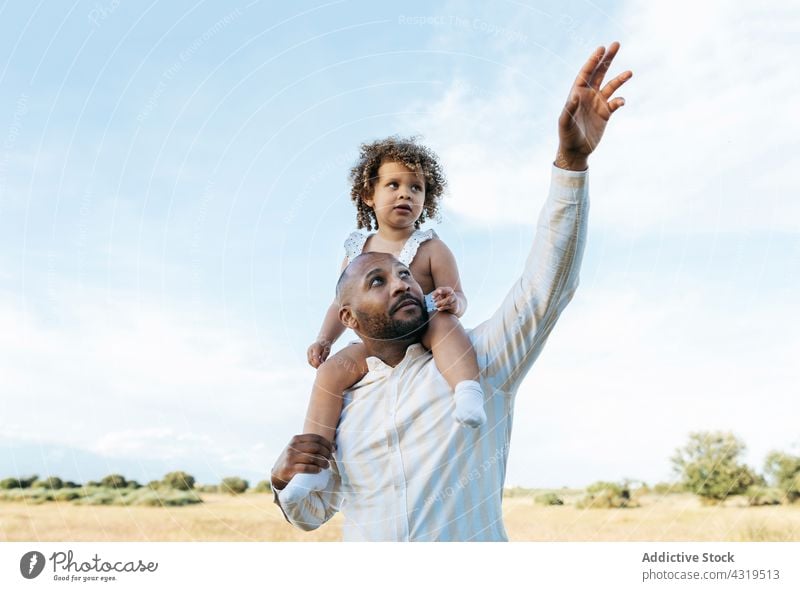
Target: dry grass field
253,518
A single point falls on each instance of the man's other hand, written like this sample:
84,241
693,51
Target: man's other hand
309,453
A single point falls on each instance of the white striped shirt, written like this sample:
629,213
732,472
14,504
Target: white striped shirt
404,469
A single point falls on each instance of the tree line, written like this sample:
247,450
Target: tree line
178,480
710,465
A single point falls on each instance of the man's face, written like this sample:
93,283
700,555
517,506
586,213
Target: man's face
383,298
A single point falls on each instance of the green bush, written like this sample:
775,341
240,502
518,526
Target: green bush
207,488
9,483
709,466
66,494
114,481
52,483
607,495
263,487
758,496
143,496
163,498
28,482
103,497
150,498
180,498
233,485
549,499
9,494
27,495
178,481
784,471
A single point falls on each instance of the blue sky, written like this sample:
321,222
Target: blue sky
173,200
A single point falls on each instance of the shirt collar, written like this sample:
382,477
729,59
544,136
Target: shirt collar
413,351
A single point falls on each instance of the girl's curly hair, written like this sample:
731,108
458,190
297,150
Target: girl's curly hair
408,152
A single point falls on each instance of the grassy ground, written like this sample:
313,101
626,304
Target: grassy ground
253,517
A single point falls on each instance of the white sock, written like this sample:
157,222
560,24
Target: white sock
469,404
303,484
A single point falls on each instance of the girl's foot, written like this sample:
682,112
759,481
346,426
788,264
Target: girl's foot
469,404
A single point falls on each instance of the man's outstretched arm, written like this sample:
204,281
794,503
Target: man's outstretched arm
512,339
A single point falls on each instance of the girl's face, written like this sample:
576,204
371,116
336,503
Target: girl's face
398,195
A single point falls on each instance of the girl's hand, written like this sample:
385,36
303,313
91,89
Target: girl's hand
445,299
318,352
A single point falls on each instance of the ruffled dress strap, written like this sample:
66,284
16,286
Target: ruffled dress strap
354,244
412,245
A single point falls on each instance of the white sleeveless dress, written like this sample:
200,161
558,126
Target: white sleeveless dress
354,245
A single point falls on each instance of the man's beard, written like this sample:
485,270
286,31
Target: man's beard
386,328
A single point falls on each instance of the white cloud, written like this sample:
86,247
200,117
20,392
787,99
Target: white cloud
161,442
625,378
705,142
125,376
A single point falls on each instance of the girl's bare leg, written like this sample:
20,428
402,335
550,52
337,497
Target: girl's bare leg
456,360
336,375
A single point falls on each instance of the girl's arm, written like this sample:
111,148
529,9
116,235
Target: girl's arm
444,272
331,330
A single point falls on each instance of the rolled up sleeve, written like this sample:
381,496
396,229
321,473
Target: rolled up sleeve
315,509
510,341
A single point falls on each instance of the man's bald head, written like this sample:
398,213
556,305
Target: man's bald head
356,271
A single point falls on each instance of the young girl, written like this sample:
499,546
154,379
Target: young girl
396,185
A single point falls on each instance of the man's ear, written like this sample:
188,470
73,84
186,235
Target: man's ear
347,317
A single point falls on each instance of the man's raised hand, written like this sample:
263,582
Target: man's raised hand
588,109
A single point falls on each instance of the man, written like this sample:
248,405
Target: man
402,469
